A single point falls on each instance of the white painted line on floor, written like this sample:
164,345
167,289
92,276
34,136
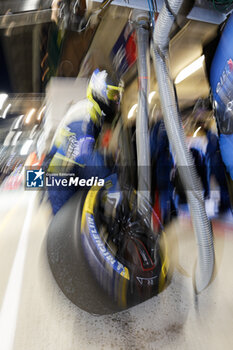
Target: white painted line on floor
10,305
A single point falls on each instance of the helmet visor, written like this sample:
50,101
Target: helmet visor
114,93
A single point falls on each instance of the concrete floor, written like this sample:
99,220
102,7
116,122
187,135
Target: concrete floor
35,315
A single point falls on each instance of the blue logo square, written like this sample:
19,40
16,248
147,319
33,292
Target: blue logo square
34,178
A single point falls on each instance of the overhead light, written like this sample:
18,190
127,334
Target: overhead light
195,133
15,138
3,98
25,148
151,95
8,138
6,111
132,110
41,112
29,116
190,69
16,126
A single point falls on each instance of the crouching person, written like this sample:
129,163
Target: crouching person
74,149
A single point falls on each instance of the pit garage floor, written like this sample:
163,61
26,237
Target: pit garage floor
35,315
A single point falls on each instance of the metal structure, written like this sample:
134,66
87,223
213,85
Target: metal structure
14,6
202,11
142,131
11,20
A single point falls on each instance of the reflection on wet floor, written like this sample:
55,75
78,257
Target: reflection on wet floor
46,319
